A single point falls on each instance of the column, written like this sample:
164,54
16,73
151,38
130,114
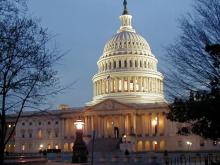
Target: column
97,88
94,93
110,85
99,126
133,63
150,124
116,84
122,84
92,123
134,83
141,84
62,128
129,79
105,127
163,118
147,85
143,125
121,126
134,123
101,86
158,124
105,87
145,81
109,88
86,125
127,127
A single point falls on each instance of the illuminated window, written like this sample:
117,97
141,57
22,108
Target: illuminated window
120,85
48,146
114,84
23,147
106,86
56,146
111,86
39,134
125,85
131,85
137,85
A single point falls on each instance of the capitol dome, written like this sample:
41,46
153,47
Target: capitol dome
127,69
126,42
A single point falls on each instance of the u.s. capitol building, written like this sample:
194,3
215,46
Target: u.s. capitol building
128,102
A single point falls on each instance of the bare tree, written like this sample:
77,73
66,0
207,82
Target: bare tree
193,74
27,75
190,66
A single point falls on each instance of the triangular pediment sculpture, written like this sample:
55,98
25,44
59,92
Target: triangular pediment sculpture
109,105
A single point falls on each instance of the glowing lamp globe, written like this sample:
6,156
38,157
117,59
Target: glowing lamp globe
79,124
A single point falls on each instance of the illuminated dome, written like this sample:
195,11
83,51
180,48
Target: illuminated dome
126,42
127,69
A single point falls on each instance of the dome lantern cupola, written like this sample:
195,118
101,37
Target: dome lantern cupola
126,24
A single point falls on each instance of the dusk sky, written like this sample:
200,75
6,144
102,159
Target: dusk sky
82,27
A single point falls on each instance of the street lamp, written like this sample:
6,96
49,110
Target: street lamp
155,123
189,144
80,152
125,139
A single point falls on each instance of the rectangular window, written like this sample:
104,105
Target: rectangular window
131,85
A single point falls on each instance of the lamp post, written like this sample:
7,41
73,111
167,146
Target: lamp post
155,123
80,152
189,144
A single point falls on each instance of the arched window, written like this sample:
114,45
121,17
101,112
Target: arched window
131,64
145,64
105,66
136,64
114,64
125,64
110,65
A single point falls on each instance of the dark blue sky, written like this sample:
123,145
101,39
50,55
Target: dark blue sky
82,27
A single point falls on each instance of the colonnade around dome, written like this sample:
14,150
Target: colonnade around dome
141,84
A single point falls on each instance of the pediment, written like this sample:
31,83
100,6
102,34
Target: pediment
109,105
